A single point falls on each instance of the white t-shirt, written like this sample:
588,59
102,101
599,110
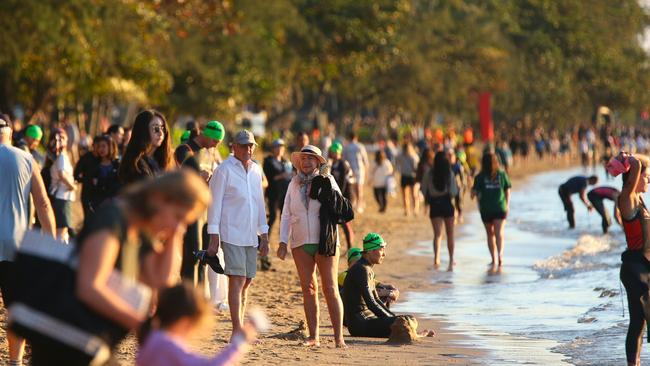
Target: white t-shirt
381,173
61,190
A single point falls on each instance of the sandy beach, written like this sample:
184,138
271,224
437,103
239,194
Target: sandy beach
277,292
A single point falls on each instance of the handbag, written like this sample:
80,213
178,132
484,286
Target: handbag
47,312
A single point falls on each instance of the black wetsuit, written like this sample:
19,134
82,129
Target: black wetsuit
365,314
571,186
596,197
635,275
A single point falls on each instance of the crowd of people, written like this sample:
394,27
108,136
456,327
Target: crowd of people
158,214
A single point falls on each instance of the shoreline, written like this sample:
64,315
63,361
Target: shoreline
277,292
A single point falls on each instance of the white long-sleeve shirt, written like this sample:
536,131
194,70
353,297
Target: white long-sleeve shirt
237,212
300,225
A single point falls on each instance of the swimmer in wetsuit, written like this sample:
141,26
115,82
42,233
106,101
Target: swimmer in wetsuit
388,293
574,185
596,196
635,266
365,314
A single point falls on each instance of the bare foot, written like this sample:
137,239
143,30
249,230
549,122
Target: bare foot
427,333
341,344
451,267
311,343
500,261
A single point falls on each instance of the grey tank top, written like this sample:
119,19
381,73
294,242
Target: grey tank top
17,167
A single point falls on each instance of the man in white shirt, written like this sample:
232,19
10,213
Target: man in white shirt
235,219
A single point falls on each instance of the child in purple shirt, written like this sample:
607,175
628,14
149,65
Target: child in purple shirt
181,311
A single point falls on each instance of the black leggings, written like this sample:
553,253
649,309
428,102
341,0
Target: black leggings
597,202
370,327
380,197
568,207
635,275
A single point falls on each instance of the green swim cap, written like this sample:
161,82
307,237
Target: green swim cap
336,147
373,241
214,130
354,253
34,132
185,136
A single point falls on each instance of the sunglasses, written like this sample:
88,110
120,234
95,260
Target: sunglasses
158,129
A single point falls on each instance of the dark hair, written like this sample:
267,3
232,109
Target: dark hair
593,178
489,164
627,174
51,152
112,145
180,301
380,156
441,171
113,129
130,168
352,135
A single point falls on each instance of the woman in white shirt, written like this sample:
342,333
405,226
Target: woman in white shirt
382,170
62,185
300,226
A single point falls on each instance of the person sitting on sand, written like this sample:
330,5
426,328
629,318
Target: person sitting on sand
577,184
596,196
388,294
365,314
183,311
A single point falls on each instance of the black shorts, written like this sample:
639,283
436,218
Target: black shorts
6,278
62,212
488,218
441,207
407,181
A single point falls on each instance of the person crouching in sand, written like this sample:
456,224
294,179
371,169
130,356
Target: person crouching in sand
365,314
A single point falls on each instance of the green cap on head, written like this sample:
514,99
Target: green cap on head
214,130
185,136
354,253
373,241
336,148
34,132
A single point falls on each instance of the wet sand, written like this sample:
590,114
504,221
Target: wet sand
278,293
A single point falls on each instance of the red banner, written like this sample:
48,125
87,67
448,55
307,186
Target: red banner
485,117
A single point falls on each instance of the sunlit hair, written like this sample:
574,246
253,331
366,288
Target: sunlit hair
112,145
441,171
490,164
139,144
54,146
181,188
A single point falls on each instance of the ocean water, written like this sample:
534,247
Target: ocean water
557,300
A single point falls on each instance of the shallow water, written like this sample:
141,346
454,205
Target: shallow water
557,299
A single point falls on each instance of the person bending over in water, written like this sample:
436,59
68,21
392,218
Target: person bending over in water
635,266
596,196
577,184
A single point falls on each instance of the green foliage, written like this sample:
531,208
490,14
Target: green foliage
552,60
